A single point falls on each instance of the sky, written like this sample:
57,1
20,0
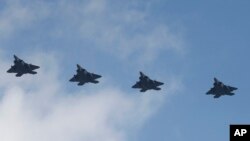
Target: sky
184,44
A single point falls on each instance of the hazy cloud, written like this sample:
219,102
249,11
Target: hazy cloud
123,29
16,15
39,108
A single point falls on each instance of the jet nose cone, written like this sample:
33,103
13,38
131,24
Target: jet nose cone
33,67
71,80
10,70
161,83
36,67
99,76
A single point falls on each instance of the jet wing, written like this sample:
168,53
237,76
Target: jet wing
158,83
95,76
217,96
232,88
228,89
74,78
19,74
150,82
33,66
211,91
81,83
143,90
137,85
11,70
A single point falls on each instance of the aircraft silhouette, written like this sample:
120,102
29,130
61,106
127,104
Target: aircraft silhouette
20,67
83,76
220,89
146,83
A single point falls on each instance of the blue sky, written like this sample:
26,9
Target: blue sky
182,43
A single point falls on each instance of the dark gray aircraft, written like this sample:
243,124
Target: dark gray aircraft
20,67
220,89
146,83
83,76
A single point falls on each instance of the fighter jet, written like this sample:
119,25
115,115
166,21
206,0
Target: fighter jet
220,89
146,83
20,67
83,76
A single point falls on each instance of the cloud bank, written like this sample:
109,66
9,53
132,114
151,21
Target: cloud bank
41,107
38,107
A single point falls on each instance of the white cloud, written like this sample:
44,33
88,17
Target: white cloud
38,107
